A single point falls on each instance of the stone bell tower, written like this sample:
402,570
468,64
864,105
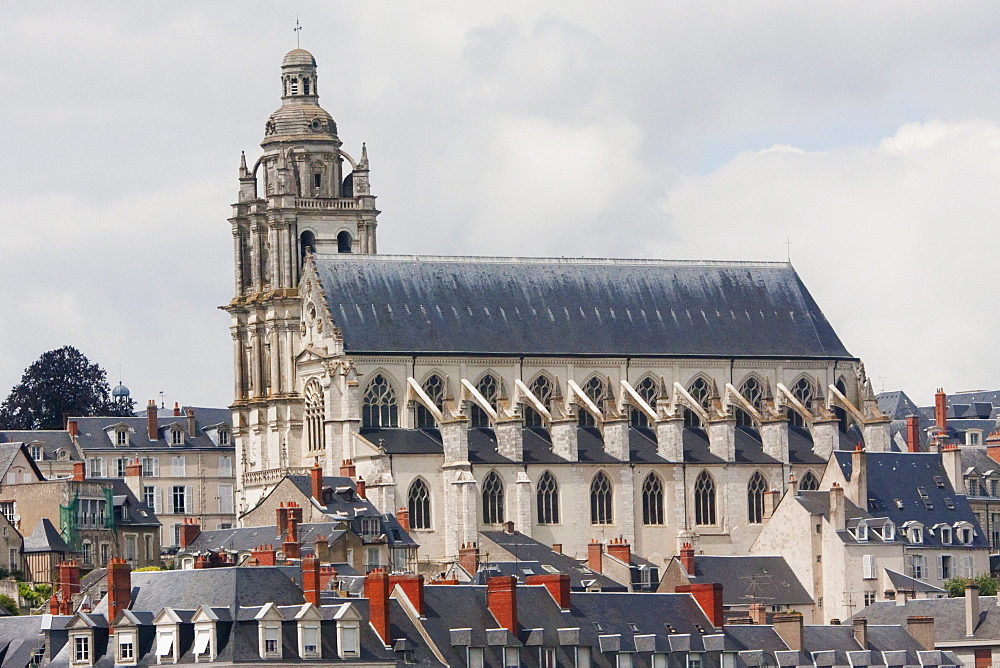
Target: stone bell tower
304,194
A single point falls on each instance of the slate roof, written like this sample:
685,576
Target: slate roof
8,452
45,538
600,307
902,582
93,436
20,638
139,513
244,539
904,476
750,579
51,440
948,614
525,548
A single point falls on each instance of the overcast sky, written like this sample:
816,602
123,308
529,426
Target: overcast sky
866,133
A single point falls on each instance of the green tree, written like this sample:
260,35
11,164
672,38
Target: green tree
987,585
60,383
11,605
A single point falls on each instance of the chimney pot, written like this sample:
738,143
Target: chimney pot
468,557
152,425
501,599
347,469
177,409
621,550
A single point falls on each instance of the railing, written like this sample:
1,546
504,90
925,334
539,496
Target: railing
303,203
272,475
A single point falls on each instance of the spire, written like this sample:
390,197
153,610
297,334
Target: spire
364,157
243,164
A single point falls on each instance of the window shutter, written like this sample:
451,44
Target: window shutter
868,566
158,501
189,499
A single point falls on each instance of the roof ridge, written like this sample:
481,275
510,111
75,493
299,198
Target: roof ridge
511,259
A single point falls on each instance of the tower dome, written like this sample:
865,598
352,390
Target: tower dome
300,117
120,392
297,57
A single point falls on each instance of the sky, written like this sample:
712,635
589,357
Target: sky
862,139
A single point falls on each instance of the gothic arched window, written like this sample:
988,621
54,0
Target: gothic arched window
379,404
548,499
652,500
315,412
755,498
809,482
541,387
704,499
493,499
600,500
803,391
344,242
419,504
489,387
433,387
594,389
647,390
752,391
699,391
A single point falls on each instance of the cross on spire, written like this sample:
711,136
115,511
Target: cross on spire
298,30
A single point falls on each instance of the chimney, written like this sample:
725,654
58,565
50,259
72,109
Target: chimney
687,558
951,459
789,628
403,517
838,515
294,511
73,427
913,433
620,549
758,613
922,630
291,548
941,409
189,531
993,445
326,573
709,598
69,579
192,424
54,604
771,499
468,557
557,548
119,575
321,548
347,469
310,580
508,527
556,583
595,556
281,518
413,586
177,409
377,593
152,426
316,480
860,625
501,599
79,471
133,478
971,609
201,562
858,485
362,493
793,484
264,555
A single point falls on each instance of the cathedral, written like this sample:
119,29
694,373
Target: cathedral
652,401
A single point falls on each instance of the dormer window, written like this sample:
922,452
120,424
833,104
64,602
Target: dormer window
176,437
946,535
861,531
37,453
165,643
223,437
81,649
126,646
270,640
973,437
309,640
965,533
888,531
915,534
203,643
121,436
348,632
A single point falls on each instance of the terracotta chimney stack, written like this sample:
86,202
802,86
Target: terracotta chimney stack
941,409
192,424
347,469
316,481
69,579
189,531
557,584
687,558
310,580
119,575
709,598
620,549
403,517
291,548
595,556
264,555
362,491
913,433
281,518
377,593
177,409
468,557
501,599
73,427
413,586
79,471
152,425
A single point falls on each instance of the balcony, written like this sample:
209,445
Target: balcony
268,476
323,204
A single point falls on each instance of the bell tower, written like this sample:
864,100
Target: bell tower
303,194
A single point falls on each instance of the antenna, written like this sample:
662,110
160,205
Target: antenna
788,249
298,31
162,403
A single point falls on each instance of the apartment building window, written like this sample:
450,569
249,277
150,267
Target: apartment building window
149,495
349,636
120,464
372,559
182,500
36,453
224,437
272,641
869,598
945,568
869,570
87,549
95,467
547,657
916,566
178,467
131,548
176,437
150,467
81,649
105,553
121,437
225,467
474,657
91,512
693,660
7,510
226,499
14,559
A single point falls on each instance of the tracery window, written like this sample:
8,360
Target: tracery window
433,387
548,499
809,482
594,389
600,500
489,387
648,391
419,505
493,499
803,391
379,405
755,498
699,391
704,499
315,412
541,387
652,500
752,391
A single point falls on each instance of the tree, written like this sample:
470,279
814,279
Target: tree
60,383
987,585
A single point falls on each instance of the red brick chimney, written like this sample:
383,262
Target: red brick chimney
468,557
54,604
295,511
192,424
620,549
73,427
595,556
377,593
264,555
79,471
119,576
291,548
687,558
362,492
413,586
69,579
403,517
709,598
310,580
347,469
189,531
281,518
501,599
758,613
133,469
316,480
152,425
326,573
556,583
557,548
177,409
913,433
941,409
993,445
